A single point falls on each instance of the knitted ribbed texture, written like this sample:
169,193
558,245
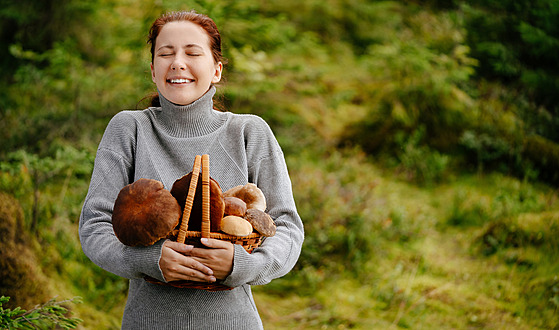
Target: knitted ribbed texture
161,143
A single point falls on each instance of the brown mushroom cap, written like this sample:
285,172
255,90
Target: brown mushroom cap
217,204
144,212
250,194
235,206
261,221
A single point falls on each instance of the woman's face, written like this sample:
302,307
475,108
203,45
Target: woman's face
183,67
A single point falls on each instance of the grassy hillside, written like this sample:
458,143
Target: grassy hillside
477,251
426,186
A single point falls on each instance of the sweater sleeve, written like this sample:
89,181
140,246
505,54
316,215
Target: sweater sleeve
278,254
113,170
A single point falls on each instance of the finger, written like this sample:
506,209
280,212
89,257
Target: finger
203,254
220,260
174,263
182,263
193,274
215,243
199,267
186,268
178,247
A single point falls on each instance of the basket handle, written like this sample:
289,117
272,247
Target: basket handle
205,196
189,200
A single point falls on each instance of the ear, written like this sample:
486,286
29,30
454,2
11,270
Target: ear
152,72
217,73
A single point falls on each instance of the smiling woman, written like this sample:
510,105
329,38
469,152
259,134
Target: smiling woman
159,143
207,43
183,67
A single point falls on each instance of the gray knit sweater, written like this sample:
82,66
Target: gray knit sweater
161,143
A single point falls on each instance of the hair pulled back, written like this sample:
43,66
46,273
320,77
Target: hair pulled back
190,16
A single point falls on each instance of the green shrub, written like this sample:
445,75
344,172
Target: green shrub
418,162
467,213
523,231
49,315
529,245
29,177
337,202
544,154
503,198
488,149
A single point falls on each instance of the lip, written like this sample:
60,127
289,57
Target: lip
179,80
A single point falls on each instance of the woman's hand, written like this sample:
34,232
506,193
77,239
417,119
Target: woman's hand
176,263
218,256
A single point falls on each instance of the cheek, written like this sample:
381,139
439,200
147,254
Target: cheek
157,70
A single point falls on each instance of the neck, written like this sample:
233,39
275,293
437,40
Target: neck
195,119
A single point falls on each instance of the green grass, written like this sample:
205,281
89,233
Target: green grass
430,265
380,253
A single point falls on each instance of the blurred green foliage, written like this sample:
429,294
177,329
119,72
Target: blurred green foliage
476,78
402,122
49,315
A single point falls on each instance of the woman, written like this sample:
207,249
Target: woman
161,143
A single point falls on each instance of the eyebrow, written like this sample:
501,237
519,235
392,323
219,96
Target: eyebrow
186,46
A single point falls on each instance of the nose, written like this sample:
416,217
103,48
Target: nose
178,64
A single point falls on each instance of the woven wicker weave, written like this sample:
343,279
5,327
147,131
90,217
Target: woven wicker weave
249,242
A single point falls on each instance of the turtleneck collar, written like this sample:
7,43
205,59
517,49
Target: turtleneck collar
195,119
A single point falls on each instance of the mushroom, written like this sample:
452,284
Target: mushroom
144,212
235,206
261,221
250,194
217,204
236,226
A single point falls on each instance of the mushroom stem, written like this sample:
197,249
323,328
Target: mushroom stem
205,196
189,200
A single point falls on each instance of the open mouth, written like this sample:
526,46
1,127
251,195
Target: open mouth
180,81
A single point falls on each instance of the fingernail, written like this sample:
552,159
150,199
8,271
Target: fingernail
204,240
212,279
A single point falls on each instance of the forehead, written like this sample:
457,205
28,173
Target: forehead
182,33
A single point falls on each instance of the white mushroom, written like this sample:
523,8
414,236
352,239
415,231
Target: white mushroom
250,194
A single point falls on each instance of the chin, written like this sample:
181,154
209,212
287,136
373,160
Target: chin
185,96
182,100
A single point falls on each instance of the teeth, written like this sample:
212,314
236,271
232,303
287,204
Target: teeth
179,81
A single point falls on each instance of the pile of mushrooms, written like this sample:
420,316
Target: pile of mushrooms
244,212
145,212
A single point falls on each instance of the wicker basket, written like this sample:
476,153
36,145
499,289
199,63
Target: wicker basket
249,242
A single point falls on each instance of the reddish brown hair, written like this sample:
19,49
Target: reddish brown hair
191,16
